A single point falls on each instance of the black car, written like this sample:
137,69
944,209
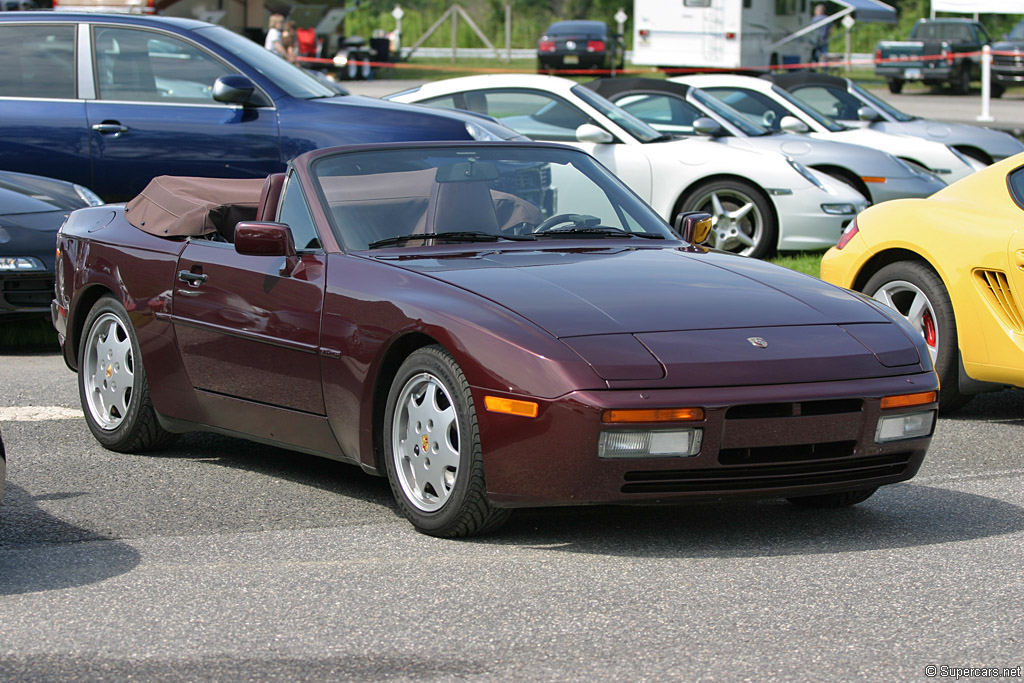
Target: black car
1008,60
32,209
580,44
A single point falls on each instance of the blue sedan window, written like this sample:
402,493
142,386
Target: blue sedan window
37,61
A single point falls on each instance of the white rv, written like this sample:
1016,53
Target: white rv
737,35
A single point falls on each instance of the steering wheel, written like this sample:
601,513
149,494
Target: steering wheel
577,219
768,118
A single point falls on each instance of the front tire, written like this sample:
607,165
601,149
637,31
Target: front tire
917,293
741,218
432,449
962,82
112,383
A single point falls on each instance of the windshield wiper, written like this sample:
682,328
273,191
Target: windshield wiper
454,236
597,232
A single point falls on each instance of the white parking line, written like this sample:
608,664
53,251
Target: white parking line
38,413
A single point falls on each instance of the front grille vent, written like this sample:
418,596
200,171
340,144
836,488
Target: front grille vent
28,291
995,287
772,410
770,454
767,477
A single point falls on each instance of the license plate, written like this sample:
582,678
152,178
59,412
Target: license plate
912,74
571,59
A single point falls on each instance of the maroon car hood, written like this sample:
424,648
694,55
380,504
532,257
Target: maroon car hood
700,315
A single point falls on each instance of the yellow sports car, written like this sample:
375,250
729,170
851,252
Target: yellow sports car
953,264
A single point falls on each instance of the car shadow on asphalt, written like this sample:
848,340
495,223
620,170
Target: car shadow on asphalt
897,516
65,556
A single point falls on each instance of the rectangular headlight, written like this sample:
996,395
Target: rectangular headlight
906,426
675,443
20,263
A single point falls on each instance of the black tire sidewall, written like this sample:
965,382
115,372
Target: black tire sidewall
440,364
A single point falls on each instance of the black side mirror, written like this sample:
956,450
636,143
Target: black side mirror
233,89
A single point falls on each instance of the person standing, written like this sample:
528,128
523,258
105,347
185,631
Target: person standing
273,41
821,34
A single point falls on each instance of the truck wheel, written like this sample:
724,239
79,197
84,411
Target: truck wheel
962,82
895,85
998,89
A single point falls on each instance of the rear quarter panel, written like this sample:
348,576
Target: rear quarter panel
101,254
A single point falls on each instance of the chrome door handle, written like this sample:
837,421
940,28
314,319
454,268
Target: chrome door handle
114,129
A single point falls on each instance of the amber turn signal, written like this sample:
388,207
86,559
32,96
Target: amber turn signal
907,400
654,415
510,406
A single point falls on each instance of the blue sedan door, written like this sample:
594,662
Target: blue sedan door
154,114
42,115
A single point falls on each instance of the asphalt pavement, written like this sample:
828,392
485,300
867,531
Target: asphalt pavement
222,560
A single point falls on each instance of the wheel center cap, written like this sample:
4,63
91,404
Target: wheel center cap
110,371
426,443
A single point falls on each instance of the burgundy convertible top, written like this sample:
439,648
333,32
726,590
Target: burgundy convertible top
175,206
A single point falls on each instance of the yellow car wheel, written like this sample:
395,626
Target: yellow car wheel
917,293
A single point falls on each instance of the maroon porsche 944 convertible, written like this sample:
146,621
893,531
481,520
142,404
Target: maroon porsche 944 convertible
490,326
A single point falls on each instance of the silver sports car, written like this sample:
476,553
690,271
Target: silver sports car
679,109
849,103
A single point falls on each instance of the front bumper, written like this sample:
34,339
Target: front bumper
25,294
804,225
758,442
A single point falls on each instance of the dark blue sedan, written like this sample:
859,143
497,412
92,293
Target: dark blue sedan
111,101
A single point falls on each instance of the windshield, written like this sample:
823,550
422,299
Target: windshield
1018,32
829,123
723,110
622,118
487,193
880,105
284,75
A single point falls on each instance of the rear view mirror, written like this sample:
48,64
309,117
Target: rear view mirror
693,226
267,239
706,125
467,171
233,89
791,124
868,114
588,132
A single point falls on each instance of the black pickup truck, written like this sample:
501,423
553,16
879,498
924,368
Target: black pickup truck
1008,59
934,54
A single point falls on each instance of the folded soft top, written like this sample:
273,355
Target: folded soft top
177,206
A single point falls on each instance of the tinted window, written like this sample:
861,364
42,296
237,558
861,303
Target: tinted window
37,61
144,66
535,114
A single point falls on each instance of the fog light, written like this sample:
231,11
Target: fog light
20,263
838,209
677,443
907,426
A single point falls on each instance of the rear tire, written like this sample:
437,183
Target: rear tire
112,383
895,85
962,82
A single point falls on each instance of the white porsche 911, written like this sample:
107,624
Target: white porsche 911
761,202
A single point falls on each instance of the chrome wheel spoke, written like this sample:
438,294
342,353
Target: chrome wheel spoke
426,438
